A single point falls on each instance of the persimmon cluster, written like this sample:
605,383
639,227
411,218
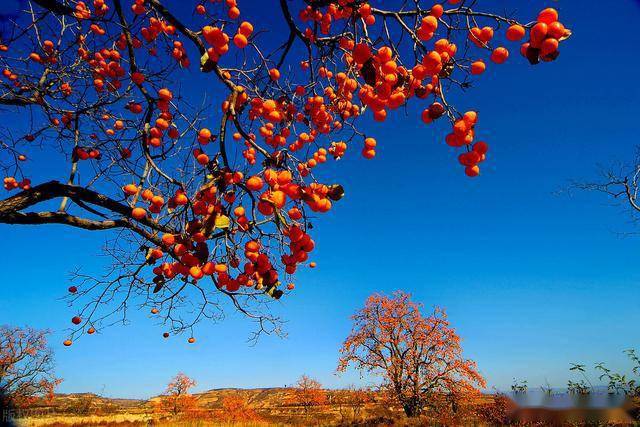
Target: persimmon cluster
544,38
10,183
226,193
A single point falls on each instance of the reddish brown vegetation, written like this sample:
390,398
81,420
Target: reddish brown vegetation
236,409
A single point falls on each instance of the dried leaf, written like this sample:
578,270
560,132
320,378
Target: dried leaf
222,221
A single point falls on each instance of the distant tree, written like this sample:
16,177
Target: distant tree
26,366
352,401
419,358
176,398
236,409
519,386
309,393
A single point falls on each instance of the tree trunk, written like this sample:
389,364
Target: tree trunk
412,407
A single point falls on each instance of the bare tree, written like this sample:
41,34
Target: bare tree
621,185
351,402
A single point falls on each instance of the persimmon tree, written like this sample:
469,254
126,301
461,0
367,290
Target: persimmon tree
418,358
177,398
308,393
210,196
26,366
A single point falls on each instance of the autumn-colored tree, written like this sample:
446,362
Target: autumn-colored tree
419,358
236,409
177,399
215,182
26,366
308,393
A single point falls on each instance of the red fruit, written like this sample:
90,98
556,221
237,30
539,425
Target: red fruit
76,320
556,30
203,159
368,154
481,147
548,15
73,289
138,213
196,272
538,34
472,171
165,94
130,189
515,32
274,74
361,53
255,183
548,47
478,67
436,110
240,41
437,10
499,55
138,78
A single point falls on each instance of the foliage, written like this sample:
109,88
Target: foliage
26,366
212,194
419,358
236,409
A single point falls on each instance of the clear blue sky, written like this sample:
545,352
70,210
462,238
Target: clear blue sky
532,280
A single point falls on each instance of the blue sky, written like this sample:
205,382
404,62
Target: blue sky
531,279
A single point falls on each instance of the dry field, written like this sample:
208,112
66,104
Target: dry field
270,406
